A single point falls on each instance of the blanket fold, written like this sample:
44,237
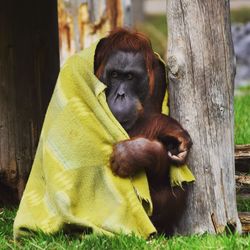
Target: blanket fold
71,183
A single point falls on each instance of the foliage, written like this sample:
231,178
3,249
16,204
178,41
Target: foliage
241,15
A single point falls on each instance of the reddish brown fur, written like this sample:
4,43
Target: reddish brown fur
151,136
168,202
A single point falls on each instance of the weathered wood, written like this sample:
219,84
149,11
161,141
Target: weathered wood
29,64
243,186
201,75
242,179
82,22
242,152
245,221
243,194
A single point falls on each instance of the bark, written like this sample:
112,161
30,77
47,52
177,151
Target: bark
29,64
200,59
245,220
242,152
242,179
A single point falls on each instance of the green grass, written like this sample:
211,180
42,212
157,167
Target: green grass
155,27
243,204
242,116
62,241
241,15
6,222
159,22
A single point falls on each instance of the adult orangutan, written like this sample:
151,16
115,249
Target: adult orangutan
136,85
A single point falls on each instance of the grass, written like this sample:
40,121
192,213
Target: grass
155,27
119,242
242,116
6,222
241,15
243,204
159,22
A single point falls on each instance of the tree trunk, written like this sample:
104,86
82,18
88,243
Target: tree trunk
201,74
29,64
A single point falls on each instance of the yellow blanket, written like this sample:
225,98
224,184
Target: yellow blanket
71,184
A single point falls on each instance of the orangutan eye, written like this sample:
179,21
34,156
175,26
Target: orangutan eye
130,76
114,74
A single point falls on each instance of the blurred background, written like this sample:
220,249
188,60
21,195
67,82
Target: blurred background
82,21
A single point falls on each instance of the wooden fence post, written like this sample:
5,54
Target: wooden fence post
29,64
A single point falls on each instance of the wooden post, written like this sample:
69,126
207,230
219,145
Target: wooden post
201,73
29,64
